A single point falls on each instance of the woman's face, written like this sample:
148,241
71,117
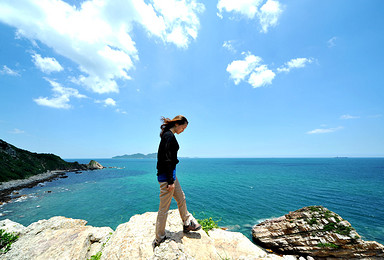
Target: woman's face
180,128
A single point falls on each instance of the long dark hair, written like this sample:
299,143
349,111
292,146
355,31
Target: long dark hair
168,123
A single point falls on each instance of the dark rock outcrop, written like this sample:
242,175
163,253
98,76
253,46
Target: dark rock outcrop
317,232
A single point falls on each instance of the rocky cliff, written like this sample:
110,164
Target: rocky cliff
317,232
65,238
17,163
21,169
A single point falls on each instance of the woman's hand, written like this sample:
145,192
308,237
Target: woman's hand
170,187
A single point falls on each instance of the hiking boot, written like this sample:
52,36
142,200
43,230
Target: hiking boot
157,243
191,227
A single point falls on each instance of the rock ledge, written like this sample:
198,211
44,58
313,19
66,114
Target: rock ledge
317,232
65,238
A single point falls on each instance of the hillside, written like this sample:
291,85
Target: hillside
17,163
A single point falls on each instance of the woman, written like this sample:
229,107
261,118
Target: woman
166,175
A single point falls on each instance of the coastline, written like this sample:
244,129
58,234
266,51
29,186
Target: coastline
7,188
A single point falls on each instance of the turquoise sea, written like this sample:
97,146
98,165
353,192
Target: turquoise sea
238,192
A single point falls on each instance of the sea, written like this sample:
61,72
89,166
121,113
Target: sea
237,192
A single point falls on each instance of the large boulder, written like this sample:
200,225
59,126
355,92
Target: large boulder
93,165
57,238
315,231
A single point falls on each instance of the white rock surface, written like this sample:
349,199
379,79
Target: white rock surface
64,238
58,238
134,240
12,227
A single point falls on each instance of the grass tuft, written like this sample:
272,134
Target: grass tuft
6,240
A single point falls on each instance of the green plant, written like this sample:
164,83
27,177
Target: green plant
330,226
96,257
328,214
343,230
208,224
6,240
312,221
337,228
314,208
331,245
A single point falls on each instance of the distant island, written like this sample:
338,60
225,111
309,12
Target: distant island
136,156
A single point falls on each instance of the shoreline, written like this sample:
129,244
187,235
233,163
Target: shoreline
7,188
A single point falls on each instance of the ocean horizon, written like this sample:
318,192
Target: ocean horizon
237,192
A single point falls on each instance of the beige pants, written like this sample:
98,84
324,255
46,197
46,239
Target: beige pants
165,202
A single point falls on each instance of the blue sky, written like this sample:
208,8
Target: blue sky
255,78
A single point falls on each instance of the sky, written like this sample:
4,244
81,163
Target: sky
255,78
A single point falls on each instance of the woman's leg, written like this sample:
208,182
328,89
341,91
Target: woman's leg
179,196
165,202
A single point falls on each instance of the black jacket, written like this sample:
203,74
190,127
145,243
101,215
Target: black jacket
167,155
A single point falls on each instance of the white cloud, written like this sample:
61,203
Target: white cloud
248,8
239,69
61,96
229,46
120,111
268,14
324,130
375,116
46,65
110,102
332,42
8,71
17,131
180,19
295,63
348,117
97,34
256,74
107,102
261,76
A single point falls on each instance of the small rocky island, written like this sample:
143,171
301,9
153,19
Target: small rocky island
317,232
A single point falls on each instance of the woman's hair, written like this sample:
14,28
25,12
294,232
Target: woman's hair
168,123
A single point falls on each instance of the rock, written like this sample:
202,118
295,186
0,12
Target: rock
316,232
12,227
65,238
58,238
234,245
134,240
93,165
